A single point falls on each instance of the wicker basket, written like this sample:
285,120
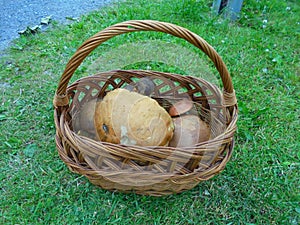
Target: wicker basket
146,170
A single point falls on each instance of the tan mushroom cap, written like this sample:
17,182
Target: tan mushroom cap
125,117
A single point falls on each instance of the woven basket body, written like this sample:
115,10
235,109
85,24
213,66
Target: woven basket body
146,170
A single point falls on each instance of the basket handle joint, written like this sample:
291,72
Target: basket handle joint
229,99
60,100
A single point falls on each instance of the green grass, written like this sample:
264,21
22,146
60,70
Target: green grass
260,185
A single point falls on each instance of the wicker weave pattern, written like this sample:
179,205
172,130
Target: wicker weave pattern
146,170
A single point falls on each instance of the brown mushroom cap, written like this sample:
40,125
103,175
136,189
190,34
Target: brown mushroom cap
189,130
86,116
131,118
83,120
181,107
144,86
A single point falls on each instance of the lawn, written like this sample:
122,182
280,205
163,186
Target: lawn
260,184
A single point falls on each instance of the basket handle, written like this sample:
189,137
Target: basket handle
61,98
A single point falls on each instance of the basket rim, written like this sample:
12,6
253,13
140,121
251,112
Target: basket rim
230,126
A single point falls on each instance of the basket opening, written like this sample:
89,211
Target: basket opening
169,89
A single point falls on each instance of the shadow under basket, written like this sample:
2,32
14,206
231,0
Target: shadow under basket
147,170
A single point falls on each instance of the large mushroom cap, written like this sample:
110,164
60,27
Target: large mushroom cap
130,118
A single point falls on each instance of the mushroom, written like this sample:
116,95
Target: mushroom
181,107
129,118
144,86
83,120
189,130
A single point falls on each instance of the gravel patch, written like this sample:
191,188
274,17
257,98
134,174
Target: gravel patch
17,15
